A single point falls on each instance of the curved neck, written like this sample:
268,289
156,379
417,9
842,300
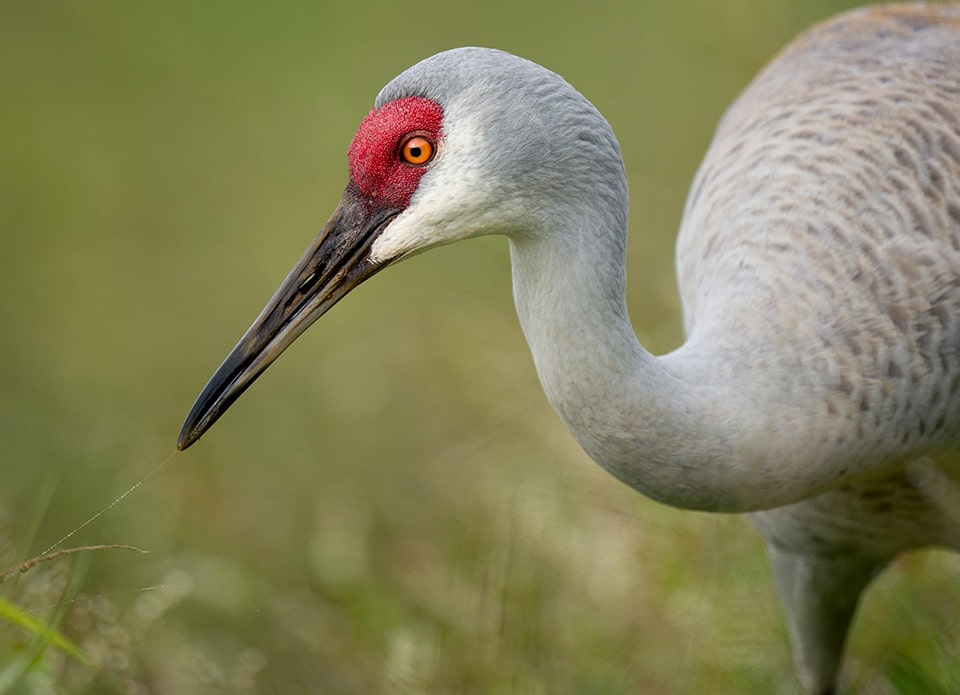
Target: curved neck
643,418
685,428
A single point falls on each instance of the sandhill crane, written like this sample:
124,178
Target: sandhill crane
818,259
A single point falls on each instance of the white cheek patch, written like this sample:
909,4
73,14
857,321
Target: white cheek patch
454,201
439,217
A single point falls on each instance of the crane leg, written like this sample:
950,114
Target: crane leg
820,595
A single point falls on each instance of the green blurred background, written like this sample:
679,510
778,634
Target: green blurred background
394,507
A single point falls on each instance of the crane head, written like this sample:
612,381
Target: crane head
470,141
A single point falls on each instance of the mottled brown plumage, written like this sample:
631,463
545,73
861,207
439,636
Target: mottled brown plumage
824,225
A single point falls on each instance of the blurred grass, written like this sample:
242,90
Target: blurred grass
394,507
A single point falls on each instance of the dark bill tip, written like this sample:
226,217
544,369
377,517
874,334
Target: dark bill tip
337,261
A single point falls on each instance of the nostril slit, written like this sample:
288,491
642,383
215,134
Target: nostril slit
307,281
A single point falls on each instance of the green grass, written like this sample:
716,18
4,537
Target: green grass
393,507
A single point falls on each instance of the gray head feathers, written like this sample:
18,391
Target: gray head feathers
539,137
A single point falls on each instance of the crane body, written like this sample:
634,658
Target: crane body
818,388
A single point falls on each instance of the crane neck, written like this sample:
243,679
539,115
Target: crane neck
647,420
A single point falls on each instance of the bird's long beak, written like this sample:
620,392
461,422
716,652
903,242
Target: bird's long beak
337,261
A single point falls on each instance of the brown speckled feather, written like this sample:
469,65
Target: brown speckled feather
831,198
824,228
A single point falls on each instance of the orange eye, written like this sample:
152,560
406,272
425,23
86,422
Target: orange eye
416,150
